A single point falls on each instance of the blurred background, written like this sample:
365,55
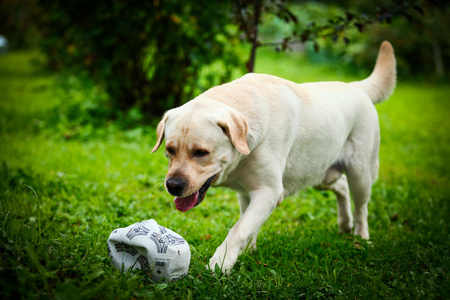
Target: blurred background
133,60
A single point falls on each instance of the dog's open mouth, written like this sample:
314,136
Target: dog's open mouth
184,204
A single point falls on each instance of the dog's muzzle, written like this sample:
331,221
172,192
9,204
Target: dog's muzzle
183,204
175,186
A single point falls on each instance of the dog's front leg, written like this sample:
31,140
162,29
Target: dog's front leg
262,203
244,201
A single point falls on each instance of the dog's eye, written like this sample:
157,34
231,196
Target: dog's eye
200,153
170,151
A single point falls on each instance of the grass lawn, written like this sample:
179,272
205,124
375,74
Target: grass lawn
61,197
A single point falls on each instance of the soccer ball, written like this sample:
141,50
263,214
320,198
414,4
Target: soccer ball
163,254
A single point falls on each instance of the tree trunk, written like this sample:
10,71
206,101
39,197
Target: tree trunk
254,35
438,60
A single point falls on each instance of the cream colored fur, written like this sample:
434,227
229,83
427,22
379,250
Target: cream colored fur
267,138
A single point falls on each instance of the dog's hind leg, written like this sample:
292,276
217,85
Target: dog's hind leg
336,182
360,184
362,171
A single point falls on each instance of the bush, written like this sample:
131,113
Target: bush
145,54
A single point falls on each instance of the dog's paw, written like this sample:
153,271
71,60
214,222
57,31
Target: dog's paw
362,230
345,224
218,266
224,259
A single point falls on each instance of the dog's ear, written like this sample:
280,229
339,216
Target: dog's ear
160,133
236,129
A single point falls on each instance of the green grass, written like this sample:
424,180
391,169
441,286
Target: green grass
61,198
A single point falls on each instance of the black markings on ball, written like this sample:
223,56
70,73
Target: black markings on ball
137,230
122,247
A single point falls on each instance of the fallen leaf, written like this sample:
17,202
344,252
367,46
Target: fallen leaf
206,237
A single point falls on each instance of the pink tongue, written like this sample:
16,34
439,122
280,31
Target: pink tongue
186,203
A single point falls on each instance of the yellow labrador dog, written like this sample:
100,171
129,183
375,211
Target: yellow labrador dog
267,137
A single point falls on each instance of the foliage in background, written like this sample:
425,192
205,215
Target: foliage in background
352,31
422,44
144,57
18,23
145,54
249,17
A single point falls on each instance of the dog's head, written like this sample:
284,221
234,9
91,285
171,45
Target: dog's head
202,139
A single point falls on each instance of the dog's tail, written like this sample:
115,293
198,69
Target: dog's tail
381,83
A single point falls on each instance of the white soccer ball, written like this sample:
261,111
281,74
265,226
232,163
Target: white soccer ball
163,254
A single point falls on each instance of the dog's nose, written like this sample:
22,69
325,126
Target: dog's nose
175,186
